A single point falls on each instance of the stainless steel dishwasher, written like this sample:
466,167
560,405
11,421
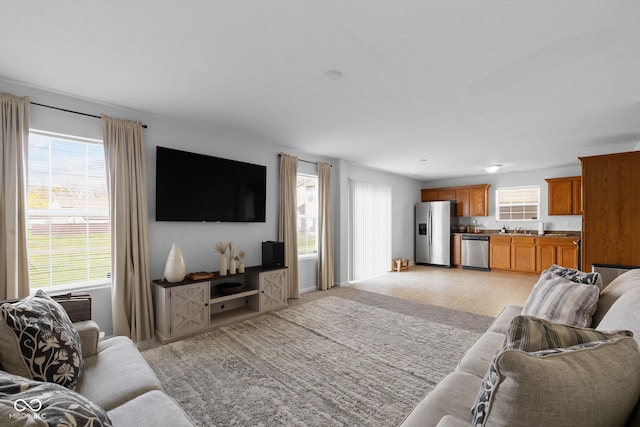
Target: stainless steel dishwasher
475,252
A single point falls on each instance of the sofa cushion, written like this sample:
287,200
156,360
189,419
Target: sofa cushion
28,402
38,341
617,288
117,373
477,358
453,396
153,408
536,338
560,300
624,313
502,322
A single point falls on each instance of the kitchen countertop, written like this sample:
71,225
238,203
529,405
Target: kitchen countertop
548,234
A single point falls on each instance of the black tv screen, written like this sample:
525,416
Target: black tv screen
196,187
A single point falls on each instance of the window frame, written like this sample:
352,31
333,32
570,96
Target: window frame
314,254
524,204
86,283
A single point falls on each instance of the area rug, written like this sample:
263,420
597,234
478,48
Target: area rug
328,362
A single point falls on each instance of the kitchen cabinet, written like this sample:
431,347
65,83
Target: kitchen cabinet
456,249
564,195
500,252
530,254
523,254
611,203
472,200
559,251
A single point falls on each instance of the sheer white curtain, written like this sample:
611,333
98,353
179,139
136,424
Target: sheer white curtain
370,229
132,306
325,228
288,228
14,144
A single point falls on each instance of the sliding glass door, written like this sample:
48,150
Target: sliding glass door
369,229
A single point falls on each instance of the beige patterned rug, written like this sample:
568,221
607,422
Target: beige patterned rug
331,361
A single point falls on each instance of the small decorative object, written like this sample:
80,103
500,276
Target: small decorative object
175,269
241,255
221,247
232,258
230,288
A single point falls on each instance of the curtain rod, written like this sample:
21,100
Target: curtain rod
306,161
70,111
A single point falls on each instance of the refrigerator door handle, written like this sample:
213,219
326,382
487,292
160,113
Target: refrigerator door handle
430,228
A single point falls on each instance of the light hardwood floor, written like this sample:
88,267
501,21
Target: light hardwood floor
480,292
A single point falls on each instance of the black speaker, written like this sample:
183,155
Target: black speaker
272,254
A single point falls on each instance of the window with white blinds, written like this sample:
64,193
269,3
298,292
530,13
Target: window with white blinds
68,232
518,203
370,229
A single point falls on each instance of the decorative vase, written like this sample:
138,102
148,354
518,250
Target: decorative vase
223,264
232,266
241,267
175,269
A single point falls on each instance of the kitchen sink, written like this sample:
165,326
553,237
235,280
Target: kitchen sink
518,234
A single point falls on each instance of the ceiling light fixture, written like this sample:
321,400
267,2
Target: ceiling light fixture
492,168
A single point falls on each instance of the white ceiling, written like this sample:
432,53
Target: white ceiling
430,89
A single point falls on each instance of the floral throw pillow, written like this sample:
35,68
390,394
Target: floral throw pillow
38,341
29,402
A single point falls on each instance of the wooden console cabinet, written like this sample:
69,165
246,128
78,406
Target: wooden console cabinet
190,307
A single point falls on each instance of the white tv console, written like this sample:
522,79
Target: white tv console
191,307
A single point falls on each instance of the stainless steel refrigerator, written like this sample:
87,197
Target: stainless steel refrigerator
433,232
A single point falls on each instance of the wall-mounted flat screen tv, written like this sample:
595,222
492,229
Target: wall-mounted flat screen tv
196,187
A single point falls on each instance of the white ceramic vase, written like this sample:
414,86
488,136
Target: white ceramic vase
241,267
175,268
223,265
232,266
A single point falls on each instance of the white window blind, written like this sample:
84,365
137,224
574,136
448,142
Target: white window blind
307,214
68,211
370,229
518,203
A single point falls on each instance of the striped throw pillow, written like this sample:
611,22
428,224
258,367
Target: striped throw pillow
538,338
560,300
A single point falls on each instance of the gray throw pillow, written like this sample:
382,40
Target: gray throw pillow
541,341
38,341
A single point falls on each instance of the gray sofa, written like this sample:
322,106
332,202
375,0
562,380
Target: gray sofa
450,403
118,379
56,371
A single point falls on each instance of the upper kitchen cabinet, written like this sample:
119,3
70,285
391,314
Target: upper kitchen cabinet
611,203
565,195
471,200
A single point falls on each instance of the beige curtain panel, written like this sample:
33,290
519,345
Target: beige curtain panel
14,144
287,220
132,305
325,228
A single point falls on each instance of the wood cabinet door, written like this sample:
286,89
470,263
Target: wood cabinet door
479,201
463,199
189,308
456,245
500,253
545,256
576,195
568,255
429,195
523,254
446,194
273,289
564,196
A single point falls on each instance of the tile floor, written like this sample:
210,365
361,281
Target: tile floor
480,292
